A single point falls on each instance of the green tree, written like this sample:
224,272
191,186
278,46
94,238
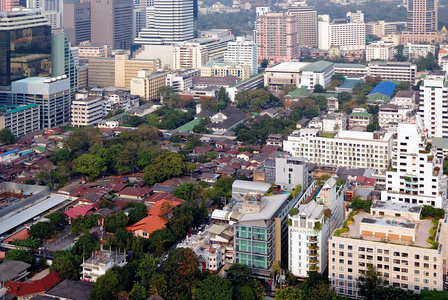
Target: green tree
90,165
137,213
188,191
110,281
214,287
147,266
164,167
164,92
173,100
369,282
223,95
85,245
62,155
6,136
433,295
239,273
344,97
319,89
138,292
66,264
115,222
264,63
358,203
57,219
21,255
243,292
257,289
132,121
41,230
83,139
159,240
289,293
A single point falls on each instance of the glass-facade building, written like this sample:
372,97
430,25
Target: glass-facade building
25,45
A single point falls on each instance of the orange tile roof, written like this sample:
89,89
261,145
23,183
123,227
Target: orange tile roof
148,224
18,288
21,235
156,209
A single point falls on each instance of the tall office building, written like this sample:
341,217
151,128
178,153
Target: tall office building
242,52
306,24
112,23
77,22
53,10
25,48
63,61
277,37
169,21
422,16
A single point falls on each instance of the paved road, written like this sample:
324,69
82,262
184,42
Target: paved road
61,241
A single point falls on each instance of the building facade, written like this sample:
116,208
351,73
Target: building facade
77,22
87,111
277,37
306,24
21,120
401,71
225,69
422,16
242,52
188,55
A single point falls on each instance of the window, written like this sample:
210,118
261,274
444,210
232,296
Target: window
341,246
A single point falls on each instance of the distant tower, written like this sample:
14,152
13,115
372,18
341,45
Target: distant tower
306,24
422,16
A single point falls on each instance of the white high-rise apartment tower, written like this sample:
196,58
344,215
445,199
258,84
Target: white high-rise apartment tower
242,52
168,21
433,103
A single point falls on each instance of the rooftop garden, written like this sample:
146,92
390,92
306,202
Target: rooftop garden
327,135
433,231
347,222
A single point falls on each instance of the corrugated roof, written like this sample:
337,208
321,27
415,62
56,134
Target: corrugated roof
189,126
385,88
21,108
318,66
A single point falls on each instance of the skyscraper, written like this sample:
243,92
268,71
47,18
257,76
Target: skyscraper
169,21
77,22
277,37
62,60
422,16
306,24
25,47
112,23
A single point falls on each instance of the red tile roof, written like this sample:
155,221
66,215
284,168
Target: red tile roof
370,181
79,210
21,235
148,224
135,192
162,196
361,179
27,288
156,209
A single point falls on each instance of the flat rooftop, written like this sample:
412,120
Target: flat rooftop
288,66
396,206
423,227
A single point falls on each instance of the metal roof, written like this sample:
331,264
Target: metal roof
318,66
29,213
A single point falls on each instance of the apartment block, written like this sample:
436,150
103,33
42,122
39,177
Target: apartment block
342,33
147,84
393,239
21,120
432,108
87,111
311,227
380,51
415,173
349,149
89,50
242,52
291,171
100,262
188,55
414,51
225,69
401,71
182,80
277,37
390,115
306,24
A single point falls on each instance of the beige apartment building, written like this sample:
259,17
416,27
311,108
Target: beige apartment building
118,71
147,84
87,111
393,239
224,69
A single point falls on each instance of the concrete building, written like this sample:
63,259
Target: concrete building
283,74
188,55
260,232
147,84
87,50
242,52
77,22
349,149
359,118
169,21
260,11
390,115
53,95
99,263
319,72
8,5
21,120
112,24
277,35
333,122
182,80
340,32
351,69
380,28
415,51
422,16
311,227
306,24
225,69
87,111
118,71
432,111
291,171
380,51
401,71
394,241
64,60
251,83
415,175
